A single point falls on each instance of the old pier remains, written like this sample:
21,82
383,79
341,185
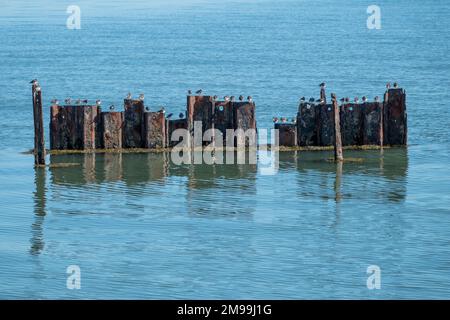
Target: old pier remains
79,125
360,122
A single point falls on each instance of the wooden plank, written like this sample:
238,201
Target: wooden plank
338,154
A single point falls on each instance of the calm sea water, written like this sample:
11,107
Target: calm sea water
139,226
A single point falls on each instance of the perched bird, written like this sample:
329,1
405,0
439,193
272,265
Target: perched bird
147,109
342,100
377,99
78,101
302,99
38,88
395,85
68,101
34,81
163,110
275,120
111,107
233,98
98,102
347,99
199,92
128,97
356,99
189,92
215,98
141,97
169,115
241,98
226,98
364,99
294,120
283,120
311,99
85,101
388,85
322,85
249,98
181,115
55,102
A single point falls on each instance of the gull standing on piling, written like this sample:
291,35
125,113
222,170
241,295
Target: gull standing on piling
98,102
199,92
128,97
68,101
250,99
189,92
241,98
141,97
112,107
181,115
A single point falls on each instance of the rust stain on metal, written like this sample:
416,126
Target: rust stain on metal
154,130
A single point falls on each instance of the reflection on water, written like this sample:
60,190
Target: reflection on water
37,234
131,184
141,168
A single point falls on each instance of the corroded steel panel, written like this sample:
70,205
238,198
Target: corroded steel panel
395,118
307,120
154,130
112,124
326,125
172,126
133,128
371,123
351,124
244,114
287,134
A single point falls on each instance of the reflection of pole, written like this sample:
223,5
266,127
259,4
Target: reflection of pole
39,142
37,242
338,155
338,182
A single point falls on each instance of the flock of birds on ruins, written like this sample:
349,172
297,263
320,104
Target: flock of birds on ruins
311,101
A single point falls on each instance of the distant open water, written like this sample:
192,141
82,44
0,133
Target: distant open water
140,227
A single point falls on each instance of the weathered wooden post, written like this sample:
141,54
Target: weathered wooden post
383,117
338,155
39,142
